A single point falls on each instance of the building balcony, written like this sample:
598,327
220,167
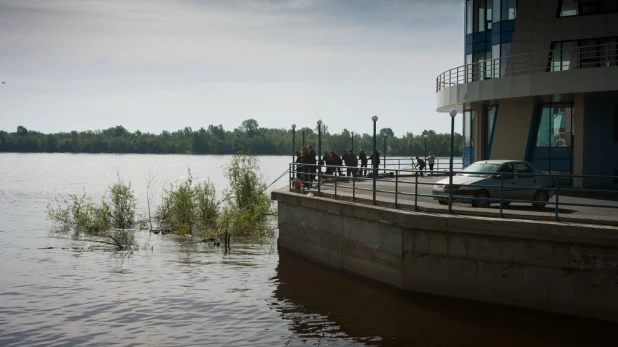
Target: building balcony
560,71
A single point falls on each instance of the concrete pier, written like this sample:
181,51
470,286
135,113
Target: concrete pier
549,266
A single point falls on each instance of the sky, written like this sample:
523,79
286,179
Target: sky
154,65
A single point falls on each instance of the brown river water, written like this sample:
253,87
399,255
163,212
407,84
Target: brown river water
57,291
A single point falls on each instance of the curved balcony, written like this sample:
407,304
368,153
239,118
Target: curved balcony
560,71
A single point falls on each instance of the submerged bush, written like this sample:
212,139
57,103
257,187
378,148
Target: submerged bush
78,212
247,205
187,206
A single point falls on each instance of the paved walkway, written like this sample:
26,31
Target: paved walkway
587,211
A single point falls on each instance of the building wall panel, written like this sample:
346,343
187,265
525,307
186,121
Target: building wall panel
512,127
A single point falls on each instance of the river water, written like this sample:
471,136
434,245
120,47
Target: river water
55,290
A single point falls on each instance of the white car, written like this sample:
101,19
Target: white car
521,180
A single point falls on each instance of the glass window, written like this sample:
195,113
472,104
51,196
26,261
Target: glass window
491,118
505,50
568,8
469,128
496,11
564,56
489,14
469,68
590,6
469,17
609,6
479,11
523,168
509,9
495,53
480,169
589,53
616,123
507,170
555,127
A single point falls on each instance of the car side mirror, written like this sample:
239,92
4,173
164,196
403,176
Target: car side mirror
497,177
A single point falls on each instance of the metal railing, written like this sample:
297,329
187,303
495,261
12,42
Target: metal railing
582,57
402,189
440,165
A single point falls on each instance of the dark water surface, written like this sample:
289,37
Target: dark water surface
170,294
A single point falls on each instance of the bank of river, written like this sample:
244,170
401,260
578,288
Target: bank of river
168,294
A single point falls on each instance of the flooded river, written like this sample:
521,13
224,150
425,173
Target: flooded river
57,291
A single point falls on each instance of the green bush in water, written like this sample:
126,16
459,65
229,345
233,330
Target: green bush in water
122,204
187,207
78,212
247,205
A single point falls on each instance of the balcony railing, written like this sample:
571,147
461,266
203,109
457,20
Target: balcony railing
583,57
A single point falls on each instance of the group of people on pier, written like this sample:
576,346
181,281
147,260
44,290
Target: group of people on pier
346,164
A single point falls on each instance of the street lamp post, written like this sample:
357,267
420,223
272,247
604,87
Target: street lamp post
319,153
293,142
453,113
352,141
384,153
373,161
425,157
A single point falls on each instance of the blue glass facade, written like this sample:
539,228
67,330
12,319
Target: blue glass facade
489,32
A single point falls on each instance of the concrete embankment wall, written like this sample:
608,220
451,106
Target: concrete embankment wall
571,269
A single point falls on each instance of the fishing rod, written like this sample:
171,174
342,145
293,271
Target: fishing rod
329,136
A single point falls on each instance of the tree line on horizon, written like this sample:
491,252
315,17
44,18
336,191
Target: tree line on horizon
216,140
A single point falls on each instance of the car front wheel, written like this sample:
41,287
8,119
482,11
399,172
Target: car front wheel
481,194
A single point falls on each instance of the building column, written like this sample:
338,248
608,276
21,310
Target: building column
578,139
480,132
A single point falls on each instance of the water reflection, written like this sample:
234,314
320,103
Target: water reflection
322,302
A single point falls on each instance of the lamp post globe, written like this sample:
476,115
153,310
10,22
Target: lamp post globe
453,113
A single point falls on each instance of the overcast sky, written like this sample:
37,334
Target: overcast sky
158,65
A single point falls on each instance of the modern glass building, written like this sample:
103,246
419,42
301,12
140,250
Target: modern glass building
539,83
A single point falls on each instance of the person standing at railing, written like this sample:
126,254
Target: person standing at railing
303,171
363,160
312,160
420,163
431,160
346,159
352,163
328,160
337,160
375,162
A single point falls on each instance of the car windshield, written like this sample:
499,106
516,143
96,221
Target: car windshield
480,169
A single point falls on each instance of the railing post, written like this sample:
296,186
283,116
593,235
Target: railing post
416,192
396,189
557,206
353,188
290,177
501,189
335,188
